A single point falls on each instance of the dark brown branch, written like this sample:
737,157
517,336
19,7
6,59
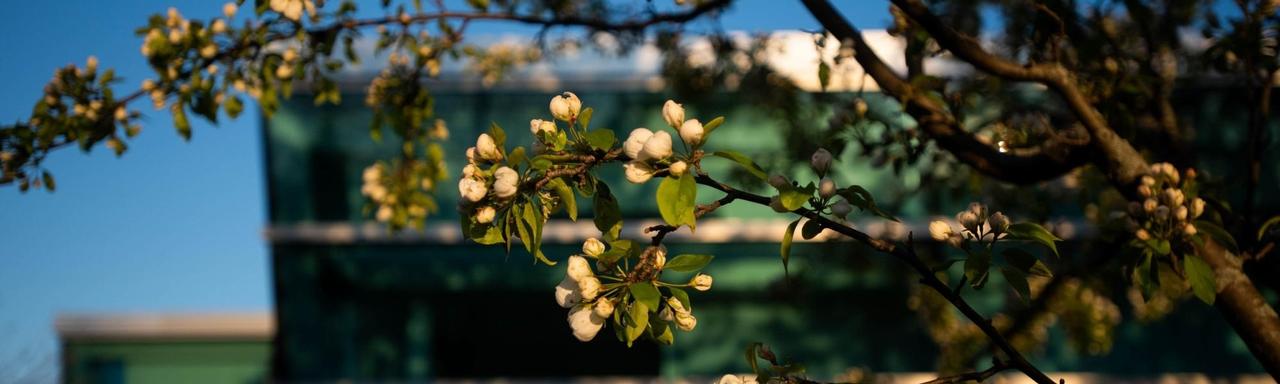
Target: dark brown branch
908,255
978,376
935,121
1119,160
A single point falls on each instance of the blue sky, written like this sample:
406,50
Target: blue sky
171,226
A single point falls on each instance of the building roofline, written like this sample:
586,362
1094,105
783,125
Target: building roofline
166,326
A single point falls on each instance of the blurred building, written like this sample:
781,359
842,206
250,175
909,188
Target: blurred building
355,302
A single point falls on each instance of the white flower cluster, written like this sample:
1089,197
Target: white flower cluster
736,379
292,9
1166,212
591,303
650,151
379,187
975,225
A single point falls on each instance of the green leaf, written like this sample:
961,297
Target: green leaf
584,119
976,268
861,198
1026,262
531,232
676,199
1018,281
601,139
1200,275
711,126
499,136
646,293
687,263
517,156
745,162
1262,231
567,199
639,319
180,121
233,106
608,216
794,197
1147,275
1218,234
1034,232
661,331
786,244
824,74
811,229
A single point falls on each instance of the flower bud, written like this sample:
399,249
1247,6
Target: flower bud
673,113
471,189
1142,234
603,308
218,26
821,161
566,106
1189,229
779,181
691,132
589,288
506,182
998,222
384,213
1144,191
635,142
701,282
1149,181
1161,212
841,209
660,257
657,147
585,323
675,305
677,168
860,107
1174,196
955,240
685,321
229,9
776,204
537,126
470,170
471,155
567,294
487,149
1149,205
578,268
637,171
666,314
1197,207
1180,213
968,220
939,230
826,188
592,247
485,214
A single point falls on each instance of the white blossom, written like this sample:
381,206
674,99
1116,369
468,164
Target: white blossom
1197,207
968,220
685,321
565,106
592,247
827,188
603,308
567,294
578,268
485,214
677,168
657,147
660,257
779,181
841,209
939,230
635,142
537,126
676,305
584,322
821,161
506,182
701,282
384,213
1189,229
637,171
673,113
292,9
691,132
589,288
471,189
998,222
486,148
470,170
229,9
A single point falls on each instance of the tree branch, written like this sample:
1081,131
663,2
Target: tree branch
934,119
